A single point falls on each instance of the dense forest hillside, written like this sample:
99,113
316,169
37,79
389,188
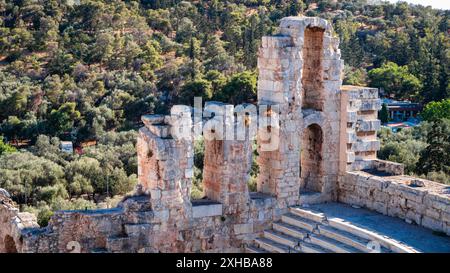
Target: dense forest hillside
85,71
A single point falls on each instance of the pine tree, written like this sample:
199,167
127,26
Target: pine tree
435,156
383,115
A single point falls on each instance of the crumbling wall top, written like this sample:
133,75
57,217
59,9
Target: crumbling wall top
295,26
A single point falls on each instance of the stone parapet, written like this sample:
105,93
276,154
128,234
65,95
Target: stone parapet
418,201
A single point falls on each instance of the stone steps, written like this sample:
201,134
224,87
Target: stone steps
300,222
271,246
310,215
281,238
332,245
348,238
290,230
254,249
306,247
373,238
307,231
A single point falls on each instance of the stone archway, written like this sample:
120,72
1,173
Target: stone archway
10,245
311,159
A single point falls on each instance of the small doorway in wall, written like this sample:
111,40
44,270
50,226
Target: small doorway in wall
10,245
311,160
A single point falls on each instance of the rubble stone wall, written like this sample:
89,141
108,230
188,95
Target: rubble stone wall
418,201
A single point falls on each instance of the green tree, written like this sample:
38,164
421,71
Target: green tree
353,53
436,110
239,89
83,174
434,157
432,64
12,128
61,63
6,148
404,146
195,88
30,179
383,115
151,54
16,104
62,120
217,79
355,76
395,80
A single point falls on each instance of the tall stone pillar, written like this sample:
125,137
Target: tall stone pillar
165,163
227,160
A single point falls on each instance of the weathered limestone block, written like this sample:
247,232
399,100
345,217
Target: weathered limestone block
276,41
370,105
438,202
368,125
381,196
352,116
380,207
411,194
446,217
351,136
415,206
366,145
433,213
389,167
379,183
432,223
414,216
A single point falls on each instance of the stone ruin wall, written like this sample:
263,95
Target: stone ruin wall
326,152
417,201
300,71
12,224
377,184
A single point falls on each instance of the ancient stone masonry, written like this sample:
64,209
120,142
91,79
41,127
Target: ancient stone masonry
227,164
417,201
300,71
12,224
316,142
359,126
